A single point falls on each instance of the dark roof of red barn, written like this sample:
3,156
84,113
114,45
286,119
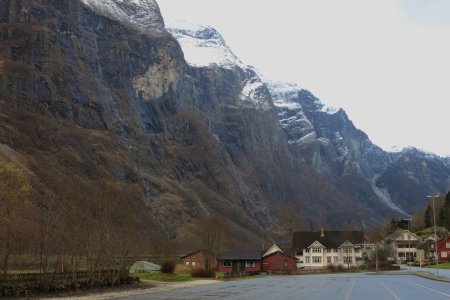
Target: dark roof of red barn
192,253
239,255
330,239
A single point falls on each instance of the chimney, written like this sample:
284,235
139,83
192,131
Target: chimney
321,233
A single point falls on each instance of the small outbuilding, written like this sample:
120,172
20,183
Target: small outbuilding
239,262
279,262
199,259
143,266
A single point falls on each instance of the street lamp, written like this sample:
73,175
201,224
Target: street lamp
435,236
409,244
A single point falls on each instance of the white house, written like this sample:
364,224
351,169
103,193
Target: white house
404,245
324,248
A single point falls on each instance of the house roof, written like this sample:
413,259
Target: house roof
272,249
398,233
192,253
239,255
330,239
278,252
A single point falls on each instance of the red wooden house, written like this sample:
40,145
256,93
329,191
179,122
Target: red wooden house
198,259
239,262
444,248
279,262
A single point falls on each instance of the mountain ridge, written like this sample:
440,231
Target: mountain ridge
88,99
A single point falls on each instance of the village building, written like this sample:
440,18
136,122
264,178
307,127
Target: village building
275,260
320,249
443,246
199,259
239,262
404,245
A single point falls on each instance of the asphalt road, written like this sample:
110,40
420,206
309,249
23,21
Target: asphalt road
335,286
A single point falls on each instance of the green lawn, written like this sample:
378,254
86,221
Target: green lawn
441,266
163,276
181,273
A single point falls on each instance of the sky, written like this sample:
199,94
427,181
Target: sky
385,62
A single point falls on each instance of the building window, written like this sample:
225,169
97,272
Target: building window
444,253
307,260
432,246
316,249
328,250
227,263
250,264
307,250
187,263
447,245
335,250
193,263
286,263
317,259
329,259
336,259
348,259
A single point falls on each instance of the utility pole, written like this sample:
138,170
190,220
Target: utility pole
409,244
436,256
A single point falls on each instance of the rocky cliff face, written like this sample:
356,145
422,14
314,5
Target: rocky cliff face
87,98
94,91
332,145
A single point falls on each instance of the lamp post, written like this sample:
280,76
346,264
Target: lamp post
409,244
436,257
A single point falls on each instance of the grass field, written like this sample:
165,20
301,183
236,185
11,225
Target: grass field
441,266
181,273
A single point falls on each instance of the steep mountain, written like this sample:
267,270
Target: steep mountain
96,93
91,98
326,139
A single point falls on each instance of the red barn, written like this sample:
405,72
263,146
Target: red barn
444,248
279,262
239,262
198,259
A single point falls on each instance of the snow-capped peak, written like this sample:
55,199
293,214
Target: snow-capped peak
408,149
143,15
284,94
203,45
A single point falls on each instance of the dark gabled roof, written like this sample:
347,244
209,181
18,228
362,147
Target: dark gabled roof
239,255
330,239
192,253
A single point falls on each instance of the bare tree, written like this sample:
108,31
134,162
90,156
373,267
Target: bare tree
14,192
211,234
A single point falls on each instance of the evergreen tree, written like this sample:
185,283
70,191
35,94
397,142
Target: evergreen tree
428,217
444,213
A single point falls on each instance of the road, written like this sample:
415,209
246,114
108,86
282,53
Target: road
334,286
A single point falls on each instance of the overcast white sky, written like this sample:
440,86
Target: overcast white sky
386,62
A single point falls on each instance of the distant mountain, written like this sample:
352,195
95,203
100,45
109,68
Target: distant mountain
326,139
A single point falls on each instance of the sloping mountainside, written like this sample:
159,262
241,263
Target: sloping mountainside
331,144
98,94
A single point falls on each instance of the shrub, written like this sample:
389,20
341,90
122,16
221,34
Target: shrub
168,266
200,272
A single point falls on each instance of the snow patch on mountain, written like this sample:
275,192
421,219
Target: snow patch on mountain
410,149
203,45
143,15
284,94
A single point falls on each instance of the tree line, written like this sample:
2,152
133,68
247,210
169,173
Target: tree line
92,228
